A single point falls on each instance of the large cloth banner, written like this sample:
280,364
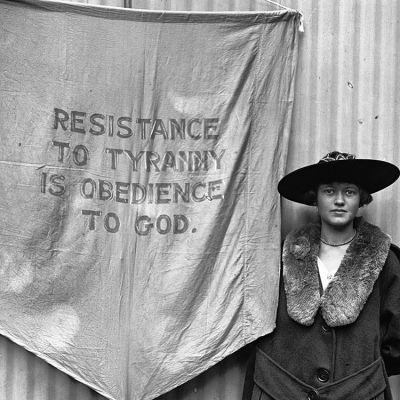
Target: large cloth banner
139,158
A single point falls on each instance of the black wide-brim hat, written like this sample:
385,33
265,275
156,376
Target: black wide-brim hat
370,175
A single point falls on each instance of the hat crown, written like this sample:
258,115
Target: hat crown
336,156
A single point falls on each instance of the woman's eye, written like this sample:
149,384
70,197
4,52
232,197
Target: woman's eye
328,191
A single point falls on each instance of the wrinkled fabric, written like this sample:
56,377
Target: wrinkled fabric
140,154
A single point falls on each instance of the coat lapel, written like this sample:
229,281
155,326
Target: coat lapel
346,294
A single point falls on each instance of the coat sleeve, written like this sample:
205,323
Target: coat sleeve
390,312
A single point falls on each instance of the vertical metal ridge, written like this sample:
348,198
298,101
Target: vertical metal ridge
333,92
367,79
345,67
381,97
321,131
355,78
396,121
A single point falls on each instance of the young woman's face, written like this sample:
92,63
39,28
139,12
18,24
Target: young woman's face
338,203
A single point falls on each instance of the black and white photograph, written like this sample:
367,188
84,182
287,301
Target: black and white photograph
199,200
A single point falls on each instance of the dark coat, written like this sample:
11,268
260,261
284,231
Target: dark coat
338,345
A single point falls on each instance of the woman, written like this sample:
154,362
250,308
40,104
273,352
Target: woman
337,333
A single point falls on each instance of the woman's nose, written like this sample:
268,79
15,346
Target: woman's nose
339,199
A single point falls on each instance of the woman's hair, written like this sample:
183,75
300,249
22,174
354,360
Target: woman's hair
311,196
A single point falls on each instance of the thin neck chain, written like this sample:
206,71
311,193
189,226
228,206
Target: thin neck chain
340,244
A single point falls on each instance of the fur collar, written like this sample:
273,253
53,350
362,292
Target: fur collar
346,294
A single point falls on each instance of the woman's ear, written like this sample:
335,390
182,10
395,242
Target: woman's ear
361,210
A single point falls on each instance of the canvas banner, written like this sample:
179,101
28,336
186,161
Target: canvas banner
139,158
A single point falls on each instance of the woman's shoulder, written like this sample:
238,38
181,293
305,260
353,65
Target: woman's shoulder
395,250
393,258
391,269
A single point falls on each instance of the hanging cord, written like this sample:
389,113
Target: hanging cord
277,4
301,22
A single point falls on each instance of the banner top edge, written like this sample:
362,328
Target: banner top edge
156,15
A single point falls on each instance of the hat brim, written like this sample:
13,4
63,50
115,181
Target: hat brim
370,175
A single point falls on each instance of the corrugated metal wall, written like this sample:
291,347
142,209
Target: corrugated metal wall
347,98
